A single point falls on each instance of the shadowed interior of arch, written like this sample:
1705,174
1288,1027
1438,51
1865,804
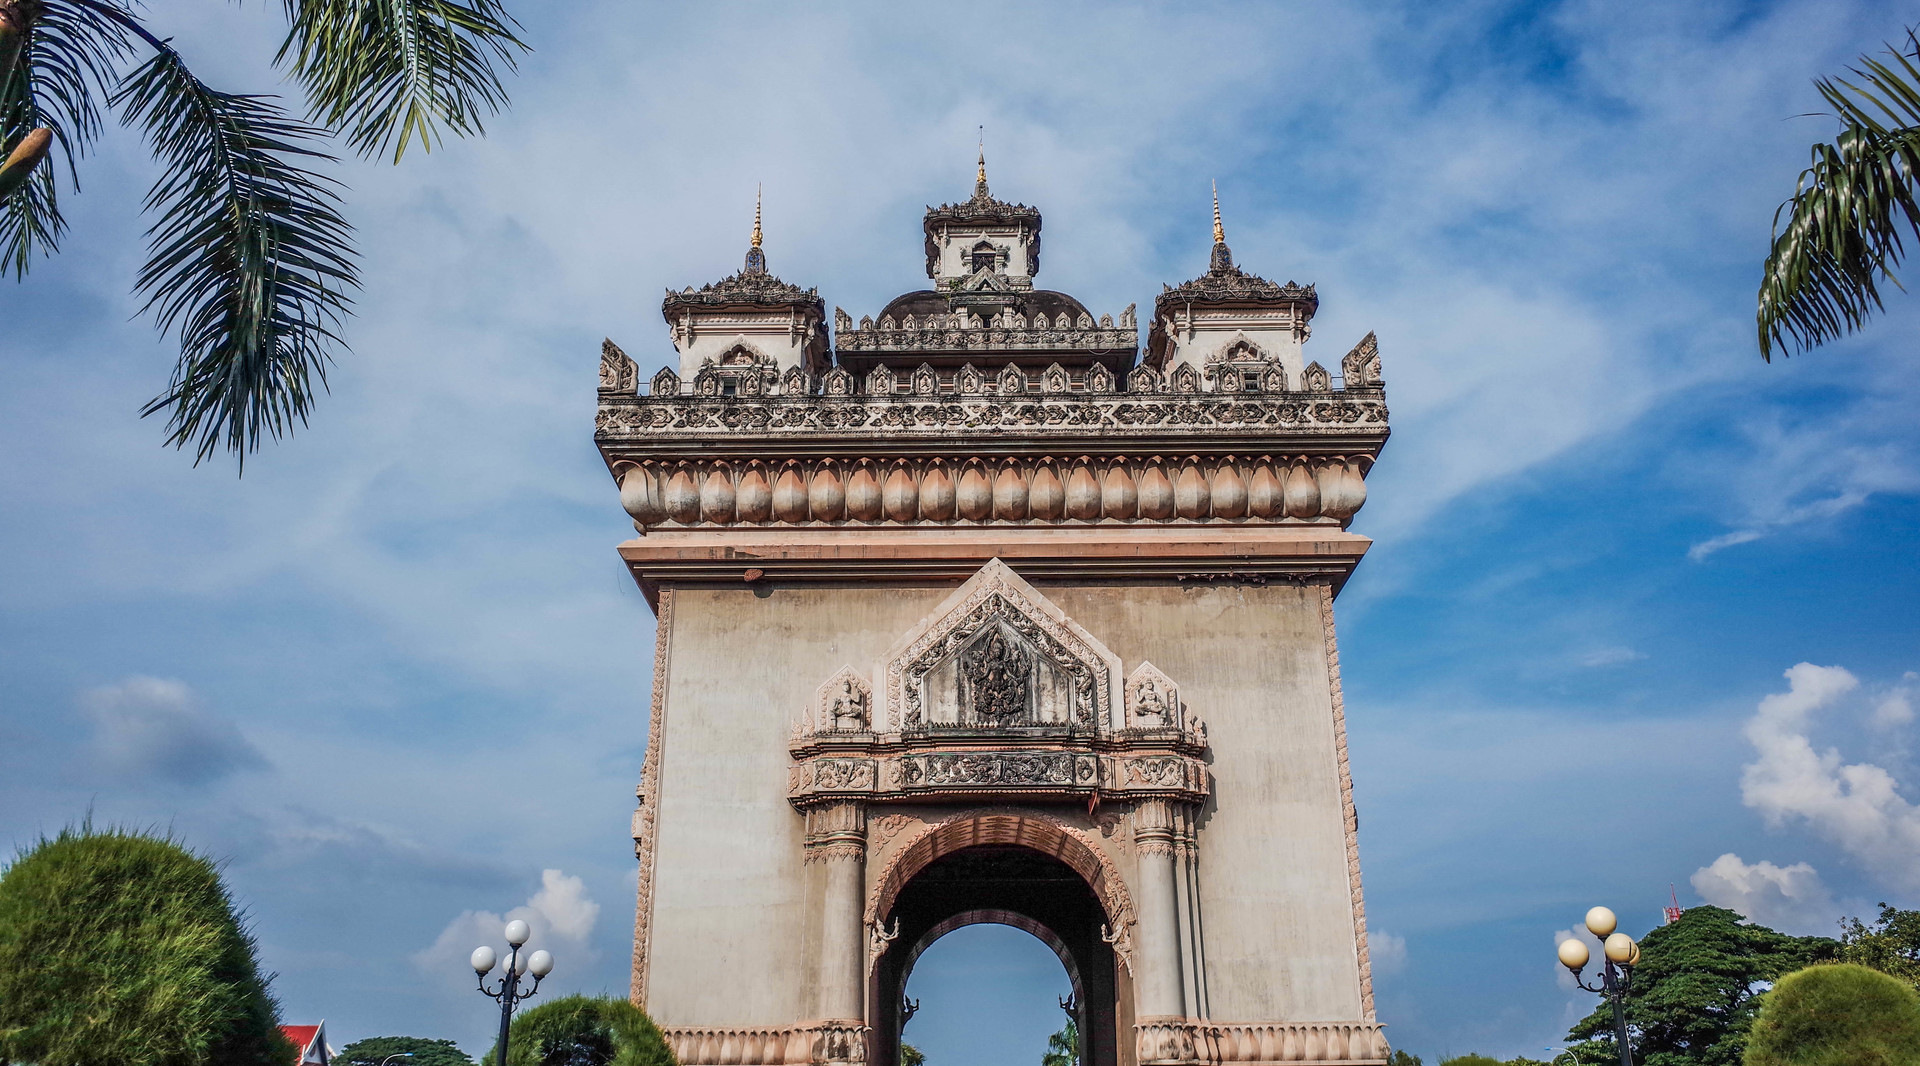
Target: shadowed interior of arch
996,911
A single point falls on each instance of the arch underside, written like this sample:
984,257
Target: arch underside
968,877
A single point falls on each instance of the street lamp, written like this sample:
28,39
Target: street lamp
396,1055
1616,980
508,993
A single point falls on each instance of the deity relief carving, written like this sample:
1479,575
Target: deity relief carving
1153,700
844,703
996,678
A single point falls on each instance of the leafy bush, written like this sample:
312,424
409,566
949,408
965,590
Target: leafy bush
375,1049
117,947
585,1031
1837,1015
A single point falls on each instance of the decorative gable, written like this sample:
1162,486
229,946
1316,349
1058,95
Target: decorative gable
998,655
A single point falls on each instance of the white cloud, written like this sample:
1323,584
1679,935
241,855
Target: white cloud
1725,540
559,913
1895,709
1613,656
1789,898
1387,952
155,727
1856,805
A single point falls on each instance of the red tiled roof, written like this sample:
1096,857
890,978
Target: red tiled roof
302,1038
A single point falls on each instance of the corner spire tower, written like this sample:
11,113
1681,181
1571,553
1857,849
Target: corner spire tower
756,259
1222,256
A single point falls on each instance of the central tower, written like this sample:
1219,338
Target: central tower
980,613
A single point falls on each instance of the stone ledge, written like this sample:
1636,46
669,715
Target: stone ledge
938,555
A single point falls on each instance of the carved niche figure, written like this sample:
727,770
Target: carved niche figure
1149,706
848,707
998,675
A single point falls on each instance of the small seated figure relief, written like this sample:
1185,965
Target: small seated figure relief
848,707
1150,707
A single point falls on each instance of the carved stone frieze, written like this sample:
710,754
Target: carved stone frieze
618,373
772,1045
1197,1042
969,769
1151,489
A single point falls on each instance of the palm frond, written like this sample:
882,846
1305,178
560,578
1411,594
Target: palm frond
249,260
66,63
386,71
1842,229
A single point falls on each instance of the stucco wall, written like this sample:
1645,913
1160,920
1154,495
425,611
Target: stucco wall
730,928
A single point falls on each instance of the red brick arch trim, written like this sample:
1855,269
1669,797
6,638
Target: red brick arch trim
1028,829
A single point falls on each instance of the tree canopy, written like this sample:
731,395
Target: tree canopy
1837,1015
585,1031
1891,944
1841,234
424,1052
250,262
1695,991
117,947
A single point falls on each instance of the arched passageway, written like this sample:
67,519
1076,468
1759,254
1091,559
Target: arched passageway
1009,884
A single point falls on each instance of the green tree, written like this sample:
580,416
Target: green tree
911,1056
117,947
424,1052
1401,1058
249,260
1839,1015
1471,1060
585,1031
1842,229
1891,944
1063,1047
1695,990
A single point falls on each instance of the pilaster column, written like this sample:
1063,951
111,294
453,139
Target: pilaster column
837,839
1159,991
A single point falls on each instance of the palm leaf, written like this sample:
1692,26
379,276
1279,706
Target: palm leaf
66,62
249,260
387,71
1842,229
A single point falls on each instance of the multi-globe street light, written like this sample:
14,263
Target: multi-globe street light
508,993
1616,980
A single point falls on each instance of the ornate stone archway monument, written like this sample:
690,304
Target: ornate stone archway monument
980,613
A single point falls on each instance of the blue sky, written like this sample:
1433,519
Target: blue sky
395,677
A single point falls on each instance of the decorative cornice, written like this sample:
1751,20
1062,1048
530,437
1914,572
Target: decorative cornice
745,289
636,420
1227,283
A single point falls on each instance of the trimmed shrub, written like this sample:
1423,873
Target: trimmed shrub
585,1031
122,948
1837,1015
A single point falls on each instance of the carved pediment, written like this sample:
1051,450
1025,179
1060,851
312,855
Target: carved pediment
998,655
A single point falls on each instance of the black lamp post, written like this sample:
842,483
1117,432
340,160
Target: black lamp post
1616,979
507,991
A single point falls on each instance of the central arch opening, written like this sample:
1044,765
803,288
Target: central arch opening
986,994
1018,887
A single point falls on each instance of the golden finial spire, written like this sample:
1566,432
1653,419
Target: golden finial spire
1219,231
980,175
756,216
